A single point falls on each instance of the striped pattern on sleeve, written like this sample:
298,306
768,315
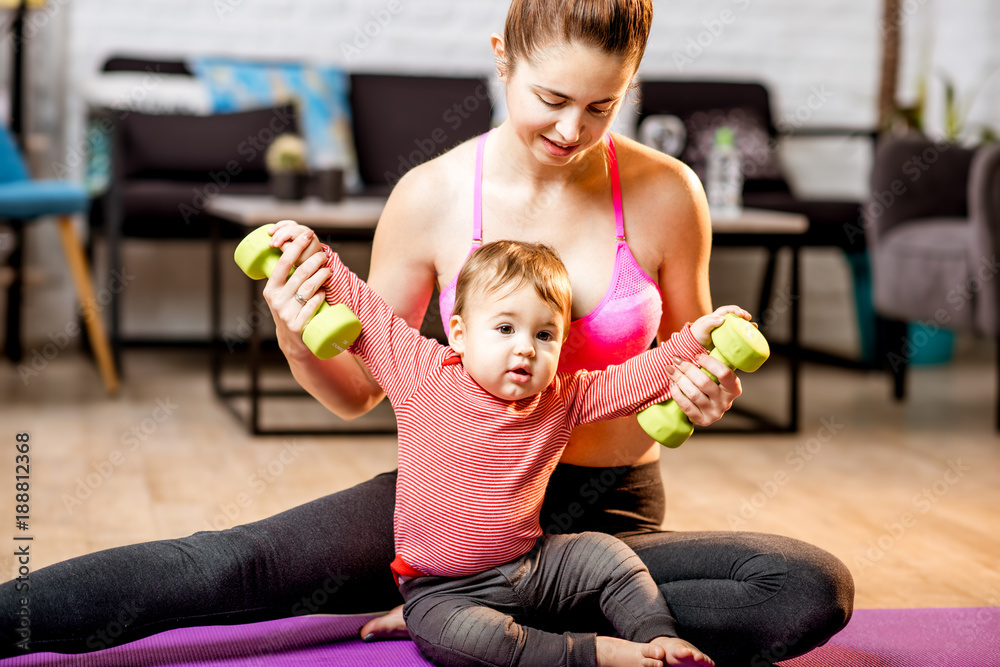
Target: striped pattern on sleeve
627,388
397,355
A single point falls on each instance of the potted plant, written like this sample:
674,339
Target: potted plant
286,163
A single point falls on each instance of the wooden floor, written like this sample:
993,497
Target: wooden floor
908,495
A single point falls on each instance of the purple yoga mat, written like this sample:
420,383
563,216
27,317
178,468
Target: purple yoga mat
304,641
951,637
961,637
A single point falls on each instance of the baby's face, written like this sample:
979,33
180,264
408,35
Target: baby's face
509,342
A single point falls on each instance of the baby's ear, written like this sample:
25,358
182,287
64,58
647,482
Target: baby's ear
456,334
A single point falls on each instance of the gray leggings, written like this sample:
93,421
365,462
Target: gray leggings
742,598
488,618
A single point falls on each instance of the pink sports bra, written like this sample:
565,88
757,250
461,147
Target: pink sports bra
626,320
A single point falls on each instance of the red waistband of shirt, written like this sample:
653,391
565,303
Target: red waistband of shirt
400,568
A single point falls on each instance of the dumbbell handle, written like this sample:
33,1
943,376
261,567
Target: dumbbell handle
666,422
332,329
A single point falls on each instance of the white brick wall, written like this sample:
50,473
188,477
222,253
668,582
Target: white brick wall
794,47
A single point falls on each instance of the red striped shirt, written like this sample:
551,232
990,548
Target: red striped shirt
473,467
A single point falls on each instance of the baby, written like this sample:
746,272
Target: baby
482,423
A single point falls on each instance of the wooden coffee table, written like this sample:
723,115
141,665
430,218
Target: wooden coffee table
772,230
352,219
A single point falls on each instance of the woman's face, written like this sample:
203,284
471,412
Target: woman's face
563,100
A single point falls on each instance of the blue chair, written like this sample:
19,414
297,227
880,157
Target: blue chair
23,200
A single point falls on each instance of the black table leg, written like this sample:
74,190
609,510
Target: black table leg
793,359
215,288
254,364
12,342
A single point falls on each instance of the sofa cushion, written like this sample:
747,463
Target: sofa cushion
149,91
153,208
403,121
185,147
831,222
922,273
318,91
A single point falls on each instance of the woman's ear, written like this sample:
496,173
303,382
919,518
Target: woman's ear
499,55
456,334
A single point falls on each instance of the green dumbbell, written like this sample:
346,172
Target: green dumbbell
736,343
331,330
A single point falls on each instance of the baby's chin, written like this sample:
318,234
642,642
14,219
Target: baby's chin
512,393
509,391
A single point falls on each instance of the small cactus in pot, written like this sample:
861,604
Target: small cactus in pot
286,163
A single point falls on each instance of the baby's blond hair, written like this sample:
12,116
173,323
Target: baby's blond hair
514,264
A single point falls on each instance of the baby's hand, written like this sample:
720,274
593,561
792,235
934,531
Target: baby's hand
285,231
704,325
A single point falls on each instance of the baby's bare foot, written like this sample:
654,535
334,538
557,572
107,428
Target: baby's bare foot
390,626
680,652
614,652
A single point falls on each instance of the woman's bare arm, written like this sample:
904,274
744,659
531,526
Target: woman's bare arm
401,272
682,235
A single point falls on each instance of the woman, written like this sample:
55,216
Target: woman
545,175
632,227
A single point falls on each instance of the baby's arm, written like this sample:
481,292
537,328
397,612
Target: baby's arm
624,389
393,350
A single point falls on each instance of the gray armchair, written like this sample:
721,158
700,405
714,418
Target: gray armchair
932,223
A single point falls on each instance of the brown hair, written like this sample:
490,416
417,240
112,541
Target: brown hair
514,264
618,27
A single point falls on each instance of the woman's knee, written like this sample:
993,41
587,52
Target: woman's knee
805,576
827,587
815,602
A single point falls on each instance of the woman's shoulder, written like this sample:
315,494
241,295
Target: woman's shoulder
653,172
428,190
661,195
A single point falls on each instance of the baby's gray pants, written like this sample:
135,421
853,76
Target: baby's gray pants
499,617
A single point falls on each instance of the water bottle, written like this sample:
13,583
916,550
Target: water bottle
724,185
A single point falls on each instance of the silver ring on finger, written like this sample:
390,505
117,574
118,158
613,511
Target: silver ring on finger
302,300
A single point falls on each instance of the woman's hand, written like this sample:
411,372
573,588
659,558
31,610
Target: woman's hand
390,626
285,231
703,327
702,400
293,299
